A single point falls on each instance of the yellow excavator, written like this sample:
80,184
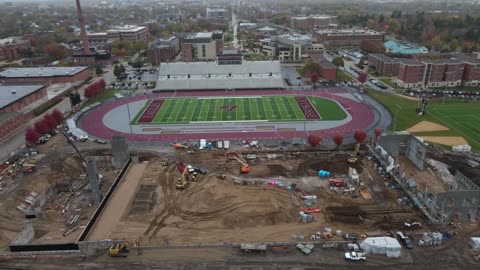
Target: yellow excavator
354,156
119,250
245,167
182,181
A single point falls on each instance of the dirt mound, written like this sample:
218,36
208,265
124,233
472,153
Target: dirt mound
238,206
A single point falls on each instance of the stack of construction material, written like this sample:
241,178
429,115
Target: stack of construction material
305,217
431,239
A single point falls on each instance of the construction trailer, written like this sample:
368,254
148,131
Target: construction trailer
253,248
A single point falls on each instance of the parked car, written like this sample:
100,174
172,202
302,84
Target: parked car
350,236
407,242
355,256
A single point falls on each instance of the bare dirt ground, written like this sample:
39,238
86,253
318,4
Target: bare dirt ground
425,126
212,210
425,179
446,140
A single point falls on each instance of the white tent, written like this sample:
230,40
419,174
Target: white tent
475,242
382,245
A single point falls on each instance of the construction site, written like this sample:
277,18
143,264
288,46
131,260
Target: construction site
87,199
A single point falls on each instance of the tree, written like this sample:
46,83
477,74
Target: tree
32,135
338,61
314,77
54,51
453,44
57,115
137,64
361,63
50,121
41,127
360,136
378,133
362,77
116,71
314,140
98,70
122,68
437,42
338,139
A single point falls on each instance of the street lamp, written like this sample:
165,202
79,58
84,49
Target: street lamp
396,114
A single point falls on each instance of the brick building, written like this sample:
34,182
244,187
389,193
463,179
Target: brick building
163,50
410,73
45,75
10,48
202,46
348,38
450,70
14,98
313,21
132,33
383,64
327,70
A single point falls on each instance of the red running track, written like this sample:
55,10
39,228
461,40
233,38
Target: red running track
362,117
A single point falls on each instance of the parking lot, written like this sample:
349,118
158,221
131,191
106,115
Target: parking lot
136,79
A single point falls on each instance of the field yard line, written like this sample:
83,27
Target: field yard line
453,121
260,102
293,103
267,104
471,127
176,110
270,101
315,109
218,112
199,117
190,109
159,116
257,112
280,102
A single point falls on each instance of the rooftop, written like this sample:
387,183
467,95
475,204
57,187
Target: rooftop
12,93
323,62
44,72
318,17
384,57
404,48
210,75
127,28
163,42
410,62
351,31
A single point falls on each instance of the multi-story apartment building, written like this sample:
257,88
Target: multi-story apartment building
348,38
327,70
163,50
202,46
313,22
449,70
383,64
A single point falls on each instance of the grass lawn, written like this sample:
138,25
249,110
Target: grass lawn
461,118
106,94
458,88
268,108
343,75
389,82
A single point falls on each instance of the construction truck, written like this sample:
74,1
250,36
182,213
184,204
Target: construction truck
354,156
182,181
119,250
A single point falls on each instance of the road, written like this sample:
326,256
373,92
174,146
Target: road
291,74
234,25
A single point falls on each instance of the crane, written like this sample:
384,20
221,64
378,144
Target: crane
182,181
71,142
353,157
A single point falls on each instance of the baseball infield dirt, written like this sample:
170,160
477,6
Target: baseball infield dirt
425,126
446,140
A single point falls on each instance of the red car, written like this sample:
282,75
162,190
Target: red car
310,210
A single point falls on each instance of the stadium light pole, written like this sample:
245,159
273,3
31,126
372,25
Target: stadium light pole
129,118
396,114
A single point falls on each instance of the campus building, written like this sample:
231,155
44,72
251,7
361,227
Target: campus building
202,46
216,13
45,75
327,70
10,48
396,47
290,47
348,38
132,33
163,50
446,70
313,22
13,100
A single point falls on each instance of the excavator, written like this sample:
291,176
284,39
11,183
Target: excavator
245,167
354,156
119,250
182,181
181,146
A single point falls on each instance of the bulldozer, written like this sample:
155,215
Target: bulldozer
182,181
119,250
354,156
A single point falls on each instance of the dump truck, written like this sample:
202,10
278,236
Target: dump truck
119,250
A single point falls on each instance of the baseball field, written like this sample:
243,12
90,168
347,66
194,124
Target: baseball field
252,108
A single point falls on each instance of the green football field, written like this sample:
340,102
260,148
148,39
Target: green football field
259,108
